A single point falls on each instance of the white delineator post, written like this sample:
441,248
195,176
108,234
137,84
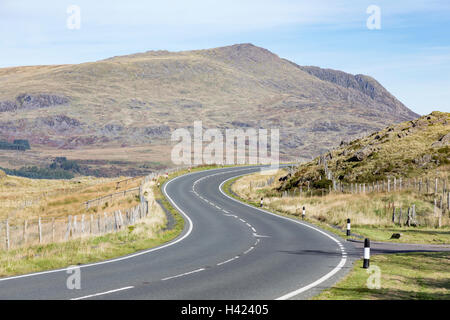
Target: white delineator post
366,253
348,227
303,213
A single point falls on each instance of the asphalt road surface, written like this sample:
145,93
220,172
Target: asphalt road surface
227,250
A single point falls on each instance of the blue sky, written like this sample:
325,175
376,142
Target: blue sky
409,55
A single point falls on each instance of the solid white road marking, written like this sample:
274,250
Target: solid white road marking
102,293
183,274
315,283
188,232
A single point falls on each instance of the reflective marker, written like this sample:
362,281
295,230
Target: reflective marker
366,253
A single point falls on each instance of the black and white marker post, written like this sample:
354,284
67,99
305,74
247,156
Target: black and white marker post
303,213
348,227
366,253
262,202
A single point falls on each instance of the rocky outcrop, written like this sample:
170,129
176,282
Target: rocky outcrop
362,153
364,84
7,105
32,101
443,141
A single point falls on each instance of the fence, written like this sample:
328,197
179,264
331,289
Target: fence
49,230
43,230
434,191
110,197
56,229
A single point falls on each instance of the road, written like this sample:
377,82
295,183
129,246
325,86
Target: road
227,250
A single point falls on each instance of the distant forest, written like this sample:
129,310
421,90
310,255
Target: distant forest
21,145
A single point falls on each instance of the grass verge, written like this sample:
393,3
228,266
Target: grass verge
404,276
143,235
367,212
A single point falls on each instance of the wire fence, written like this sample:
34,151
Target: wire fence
433,191
42,230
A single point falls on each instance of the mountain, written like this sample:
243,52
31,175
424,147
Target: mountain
128,105
409,149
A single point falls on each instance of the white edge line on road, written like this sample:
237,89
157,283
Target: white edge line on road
315,283
102,293
188,232
318,281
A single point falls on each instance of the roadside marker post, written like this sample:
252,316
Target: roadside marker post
262,201
348,227
303,213
366,253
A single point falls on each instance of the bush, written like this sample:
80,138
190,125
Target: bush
322,184
39,173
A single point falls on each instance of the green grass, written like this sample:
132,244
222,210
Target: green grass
81,251
404,276
409,235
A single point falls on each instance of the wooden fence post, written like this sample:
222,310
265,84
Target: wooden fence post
408,221
69,227
105,222
116,222
448,201
7,234
40,229
53,229
393,215
25,231
75,225
82,223
91,224
120,219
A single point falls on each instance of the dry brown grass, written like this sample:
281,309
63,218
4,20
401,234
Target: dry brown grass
146,233
368,212
23,198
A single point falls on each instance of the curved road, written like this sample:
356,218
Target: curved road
227,250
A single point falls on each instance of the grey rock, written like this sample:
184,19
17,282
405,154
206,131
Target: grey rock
443,141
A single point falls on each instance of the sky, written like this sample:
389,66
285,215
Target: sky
406,47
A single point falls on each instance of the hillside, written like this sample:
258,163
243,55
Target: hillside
112,107
409,149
